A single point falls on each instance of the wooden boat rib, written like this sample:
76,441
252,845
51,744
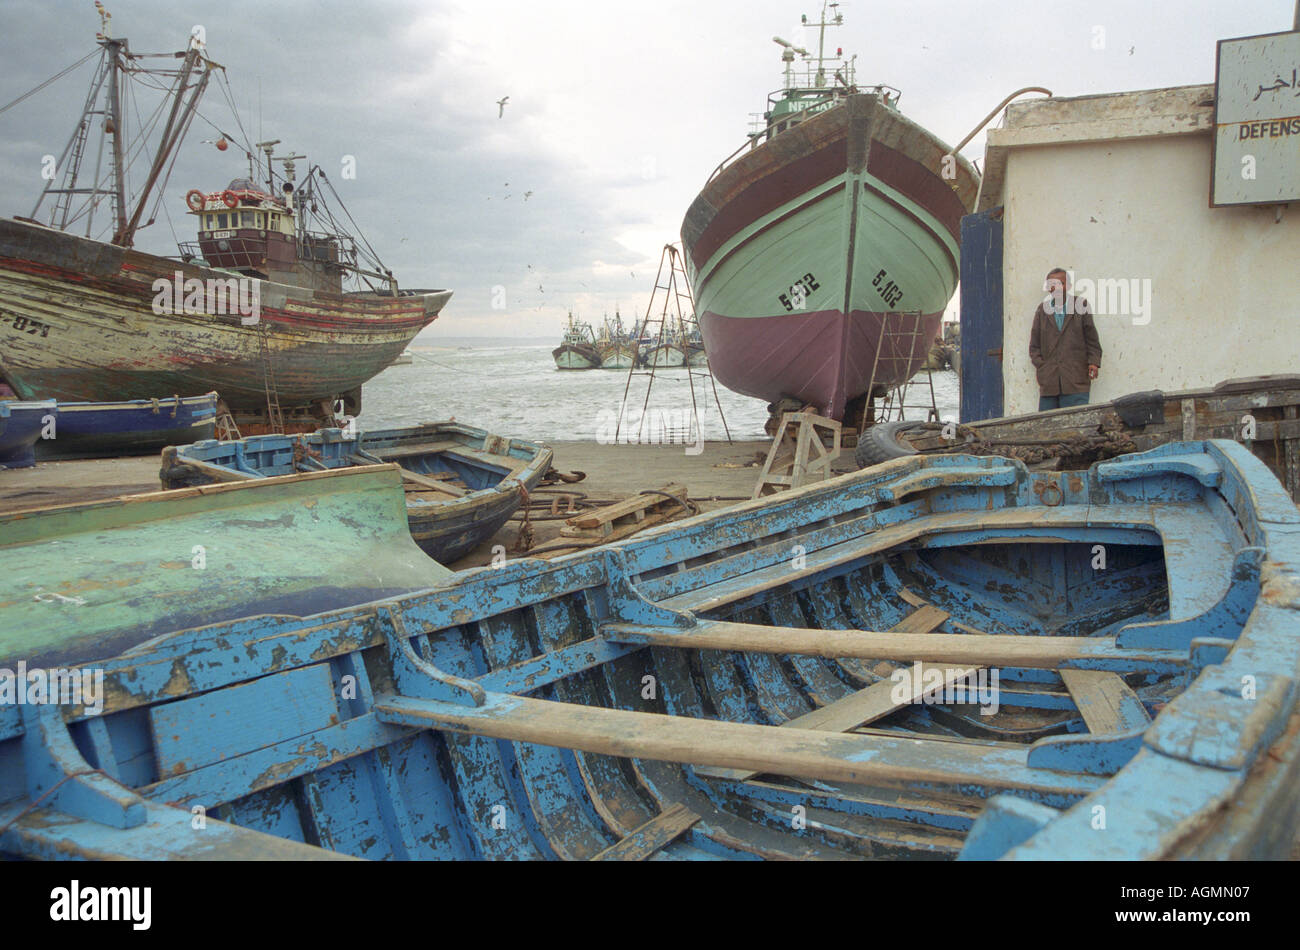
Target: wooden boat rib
462,482
724,688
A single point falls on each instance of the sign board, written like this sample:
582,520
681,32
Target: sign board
1257,121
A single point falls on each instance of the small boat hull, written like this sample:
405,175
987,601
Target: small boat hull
137,427
677,694
447,523
1255,410
21,427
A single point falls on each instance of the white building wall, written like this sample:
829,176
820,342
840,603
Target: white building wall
1224,282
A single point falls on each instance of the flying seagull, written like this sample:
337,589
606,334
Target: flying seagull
501,106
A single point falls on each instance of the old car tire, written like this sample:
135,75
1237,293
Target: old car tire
880,443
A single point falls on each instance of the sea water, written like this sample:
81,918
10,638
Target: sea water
515,389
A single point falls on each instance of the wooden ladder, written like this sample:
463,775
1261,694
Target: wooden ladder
274,415
798,454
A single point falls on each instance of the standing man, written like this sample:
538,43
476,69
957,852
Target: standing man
1063,346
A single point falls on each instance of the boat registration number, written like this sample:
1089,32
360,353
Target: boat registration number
29,325
889,292
217,235
797,298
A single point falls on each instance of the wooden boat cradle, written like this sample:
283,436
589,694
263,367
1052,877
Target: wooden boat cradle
581,771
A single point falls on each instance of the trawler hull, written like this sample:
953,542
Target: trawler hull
580,356
80,321
618,356
823,259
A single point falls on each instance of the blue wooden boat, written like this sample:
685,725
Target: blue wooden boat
21,424
462,483
775,680
130,427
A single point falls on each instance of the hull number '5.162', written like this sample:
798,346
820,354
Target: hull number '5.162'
889,292
797,298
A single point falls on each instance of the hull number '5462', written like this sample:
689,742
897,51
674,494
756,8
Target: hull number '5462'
797,298
889,292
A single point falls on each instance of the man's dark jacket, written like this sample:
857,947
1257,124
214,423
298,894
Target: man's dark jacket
1062,357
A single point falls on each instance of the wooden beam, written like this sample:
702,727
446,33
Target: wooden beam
804,753
865,706
978,650
1105,701
652,836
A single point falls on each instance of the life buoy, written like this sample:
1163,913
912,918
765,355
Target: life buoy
194,198
229,199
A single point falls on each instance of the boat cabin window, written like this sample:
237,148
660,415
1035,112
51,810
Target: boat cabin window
209,225
248,219
221,220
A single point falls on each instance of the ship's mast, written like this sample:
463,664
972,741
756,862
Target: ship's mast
838,20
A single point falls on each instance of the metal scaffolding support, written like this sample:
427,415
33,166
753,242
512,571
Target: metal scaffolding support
670,338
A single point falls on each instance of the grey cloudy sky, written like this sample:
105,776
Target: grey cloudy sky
618,112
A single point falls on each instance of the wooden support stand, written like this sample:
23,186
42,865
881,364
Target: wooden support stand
798,455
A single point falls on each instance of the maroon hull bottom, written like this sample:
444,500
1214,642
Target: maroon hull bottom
820,357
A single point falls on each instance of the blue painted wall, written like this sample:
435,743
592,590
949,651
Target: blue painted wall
981,315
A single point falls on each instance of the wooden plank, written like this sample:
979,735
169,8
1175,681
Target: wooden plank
208,728
865,706
652,836
417,482
602,521
954,648
923,619
1105,701
805,753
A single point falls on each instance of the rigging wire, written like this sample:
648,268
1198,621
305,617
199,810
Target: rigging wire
32,92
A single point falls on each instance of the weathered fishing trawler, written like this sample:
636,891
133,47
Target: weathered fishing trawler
257,310
578,349
945,672
462,483
618,350
822,253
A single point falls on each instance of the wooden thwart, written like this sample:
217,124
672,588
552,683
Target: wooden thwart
832,757
1105,701
652,836
976,649
865,706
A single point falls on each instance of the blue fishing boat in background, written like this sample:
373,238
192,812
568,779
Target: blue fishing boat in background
21,424
462,483
933,658
130,427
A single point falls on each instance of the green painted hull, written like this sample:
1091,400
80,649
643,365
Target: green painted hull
98,578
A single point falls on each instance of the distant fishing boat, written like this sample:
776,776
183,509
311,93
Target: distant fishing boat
578,349
462,483
838,212
405,359
135,427
21,424
693,349
255,309
618,350
944,673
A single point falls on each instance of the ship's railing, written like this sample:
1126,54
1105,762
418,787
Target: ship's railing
794,117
